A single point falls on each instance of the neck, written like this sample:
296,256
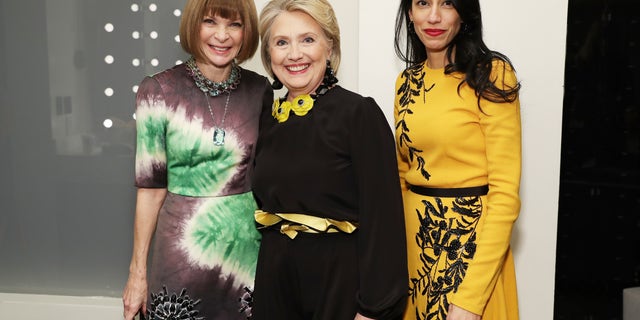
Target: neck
214,73
293,94
435,62
438,60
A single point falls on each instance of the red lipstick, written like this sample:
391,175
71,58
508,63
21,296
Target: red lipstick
433,32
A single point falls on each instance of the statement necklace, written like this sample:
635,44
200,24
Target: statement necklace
212,88
300,106
218,132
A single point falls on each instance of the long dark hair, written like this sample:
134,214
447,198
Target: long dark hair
472,56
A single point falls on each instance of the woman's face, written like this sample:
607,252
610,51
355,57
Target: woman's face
221,40
299,51
436,23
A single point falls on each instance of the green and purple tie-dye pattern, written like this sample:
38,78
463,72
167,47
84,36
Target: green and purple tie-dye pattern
150,150
205,240
217,235
195,167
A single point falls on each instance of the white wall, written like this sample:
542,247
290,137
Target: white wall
538,51
532,34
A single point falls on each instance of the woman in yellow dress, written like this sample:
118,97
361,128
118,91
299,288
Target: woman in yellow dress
458,137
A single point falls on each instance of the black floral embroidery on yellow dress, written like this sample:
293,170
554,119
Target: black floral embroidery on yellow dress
447,234
413,76
448,244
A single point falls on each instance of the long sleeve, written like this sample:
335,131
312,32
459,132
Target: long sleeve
381,235
500,124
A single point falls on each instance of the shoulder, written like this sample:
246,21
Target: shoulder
500,65
252,77
353,104
347,98
168,80
502,71
415,71
411,70
170,74
339,92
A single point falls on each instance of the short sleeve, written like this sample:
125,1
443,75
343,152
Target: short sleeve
151,124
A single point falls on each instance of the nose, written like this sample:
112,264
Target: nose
294,52
434,15
221,33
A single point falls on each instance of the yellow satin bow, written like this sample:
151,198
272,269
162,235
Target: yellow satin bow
292,223
300,105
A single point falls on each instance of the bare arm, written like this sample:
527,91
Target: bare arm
148,203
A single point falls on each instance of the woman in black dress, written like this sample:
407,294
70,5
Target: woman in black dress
326,182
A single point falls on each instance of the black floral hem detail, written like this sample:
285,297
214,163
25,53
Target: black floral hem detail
246,302
173,307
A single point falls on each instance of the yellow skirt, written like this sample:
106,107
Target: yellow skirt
441,241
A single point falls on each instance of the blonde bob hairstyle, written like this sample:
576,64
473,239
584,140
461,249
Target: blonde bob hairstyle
320,10
193,16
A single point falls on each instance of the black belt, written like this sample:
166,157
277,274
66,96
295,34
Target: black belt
450,192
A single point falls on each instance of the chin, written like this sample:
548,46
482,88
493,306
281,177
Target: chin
293,86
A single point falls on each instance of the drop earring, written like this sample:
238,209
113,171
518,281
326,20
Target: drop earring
329,76
328,81
276,84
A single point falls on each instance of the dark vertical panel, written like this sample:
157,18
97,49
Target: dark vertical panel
598,252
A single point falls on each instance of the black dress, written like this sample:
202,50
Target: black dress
338,162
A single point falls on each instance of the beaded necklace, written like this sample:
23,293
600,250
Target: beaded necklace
214,89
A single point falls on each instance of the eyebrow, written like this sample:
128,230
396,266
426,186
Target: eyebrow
304,35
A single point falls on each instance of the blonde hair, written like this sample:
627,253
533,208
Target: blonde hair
320,10
194,13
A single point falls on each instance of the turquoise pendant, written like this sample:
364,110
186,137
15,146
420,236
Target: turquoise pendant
218,137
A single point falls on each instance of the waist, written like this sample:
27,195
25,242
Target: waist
292,223
450,192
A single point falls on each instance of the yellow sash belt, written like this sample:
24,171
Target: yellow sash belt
295,222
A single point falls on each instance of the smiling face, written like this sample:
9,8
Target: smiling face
298,49
436,23
221,40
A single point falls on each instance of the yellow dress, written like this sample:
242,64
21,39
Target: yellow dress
458,246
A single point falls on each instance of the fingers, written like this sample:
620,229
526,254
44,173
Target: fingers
129,315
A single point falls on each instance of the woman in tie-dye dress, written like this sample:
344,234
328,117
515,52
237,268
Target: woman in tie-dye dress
197,124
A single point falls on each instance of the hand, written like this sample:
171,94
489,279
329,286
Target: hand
457,313
134,297
361,317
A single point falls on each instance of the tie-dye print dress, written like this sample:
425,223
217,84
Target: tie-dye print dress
206,241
